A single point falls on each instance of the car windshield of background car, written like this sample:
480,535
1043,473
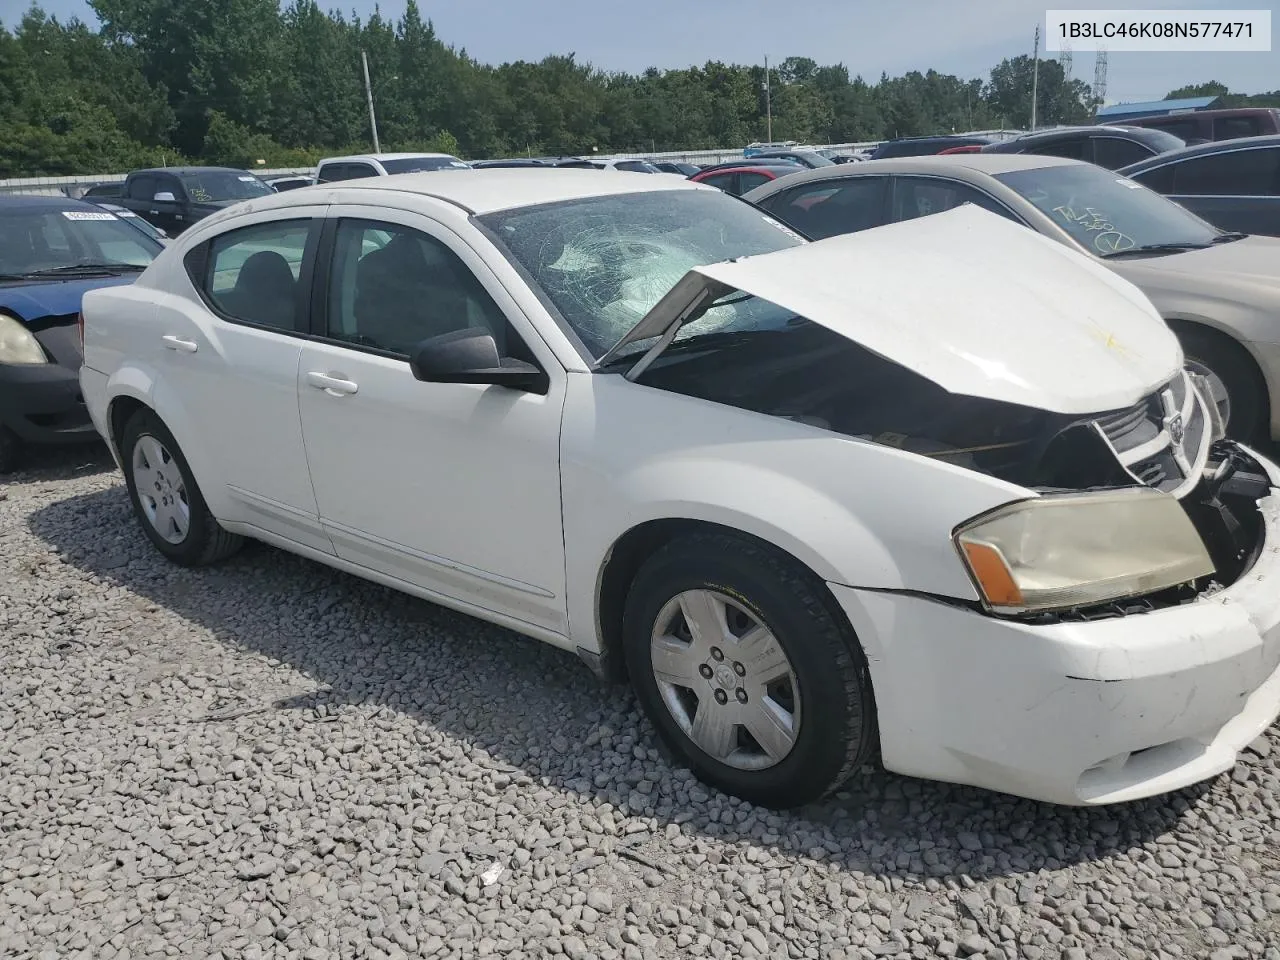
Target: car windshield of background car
71,241
218,186
421,164
1107,213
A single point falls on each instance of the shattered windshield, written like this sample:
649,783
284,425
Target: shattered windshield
604,262
1107,213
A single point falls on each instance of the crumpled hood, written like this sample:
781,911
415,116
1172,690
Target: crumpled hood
977,304
33,301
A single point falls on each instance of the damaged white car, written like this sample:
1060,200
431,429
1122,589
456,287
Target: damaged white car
940,492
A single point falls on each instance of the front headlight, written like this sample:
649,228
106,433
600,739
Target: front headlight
18,344
1061,551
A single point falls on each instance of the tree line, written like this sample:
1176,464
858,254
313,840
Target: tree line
237,81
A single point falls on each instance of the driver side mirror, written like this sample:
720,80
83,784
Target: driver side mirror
165,196
471,355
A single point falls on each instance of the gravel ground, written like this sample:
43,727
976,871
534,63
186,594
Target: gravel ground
272,759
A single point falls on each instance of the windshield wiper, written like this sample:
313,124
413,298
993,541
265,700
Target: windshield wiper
1229,236
1155,248
701,341
115,268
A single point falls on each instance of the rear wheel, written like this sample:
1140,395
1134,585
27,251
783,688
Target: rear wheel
1238,388
746,671
166,499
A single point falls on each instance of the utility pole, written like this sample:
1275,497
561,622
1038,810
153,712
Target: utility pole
368,94
768,105
1035,79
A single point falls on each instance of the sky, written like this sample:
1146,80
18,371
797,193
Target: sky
962,37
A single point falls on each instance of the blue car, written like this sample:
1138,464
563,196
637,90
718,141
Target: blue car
53,249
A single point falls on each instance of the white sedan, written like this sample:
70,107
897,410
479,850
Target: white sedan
940,491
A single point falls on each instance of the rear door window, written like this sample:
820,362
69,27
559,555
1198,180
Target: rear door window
1071,149
1236,173
1231,128
1188,128
824,209
254,272
724,181
920,196
749,181
1116,152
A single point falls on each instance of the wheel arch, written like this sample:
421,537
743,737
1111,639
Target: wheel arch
629,552
1220,334
132,389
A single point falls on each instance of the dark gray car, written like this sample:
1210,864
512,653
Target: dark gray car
1219,291
1234,184
1112,147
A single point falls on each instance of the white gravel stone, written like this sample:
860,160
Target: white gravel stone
271,759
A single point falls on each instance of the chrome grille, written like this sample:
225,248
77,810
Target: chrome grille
1163,441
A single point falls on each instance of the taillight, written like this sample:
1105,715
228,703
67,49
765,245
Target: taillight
80,329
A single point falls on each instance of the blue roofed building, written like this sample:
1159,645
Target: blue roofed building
1120,112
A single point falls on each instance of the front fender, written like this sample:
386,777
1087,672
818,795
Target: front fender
855,512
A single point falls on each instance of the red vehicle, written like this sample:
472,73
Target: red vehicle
969,148
738,180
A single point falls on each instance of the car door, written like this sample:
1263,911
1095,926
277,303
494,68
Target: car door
453,488
826,208
229,359
1233,190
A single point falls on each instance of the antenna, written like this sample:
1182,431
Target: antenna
1100,77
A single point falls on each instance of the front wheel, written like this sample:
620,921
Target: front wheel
746,671
165,498
1239,391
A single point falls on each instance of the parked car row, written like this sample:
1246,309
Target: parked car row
944,492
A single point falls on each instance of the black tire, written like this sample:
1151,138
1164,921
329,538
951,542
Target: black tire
205,541
10,450
837,732
1250,414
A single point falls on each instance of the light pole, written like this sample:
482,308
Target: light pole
768,105
368,94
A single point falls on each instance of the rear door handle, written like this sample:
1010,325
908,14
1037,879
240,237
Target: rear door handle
182,346
334,386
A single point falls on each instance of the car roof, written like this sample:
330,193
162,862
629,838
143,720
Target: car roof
33,201
1043,136
1203,149
379,157
749,167
500,188
983,163
179,171
963,166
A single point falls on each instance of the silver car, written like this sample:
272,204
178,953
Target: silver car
1219,291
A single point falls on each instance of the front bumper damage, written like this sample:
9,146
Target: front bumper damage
1078,712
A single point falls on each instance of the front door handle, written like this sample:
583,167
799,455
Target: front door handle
334,386
182,346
